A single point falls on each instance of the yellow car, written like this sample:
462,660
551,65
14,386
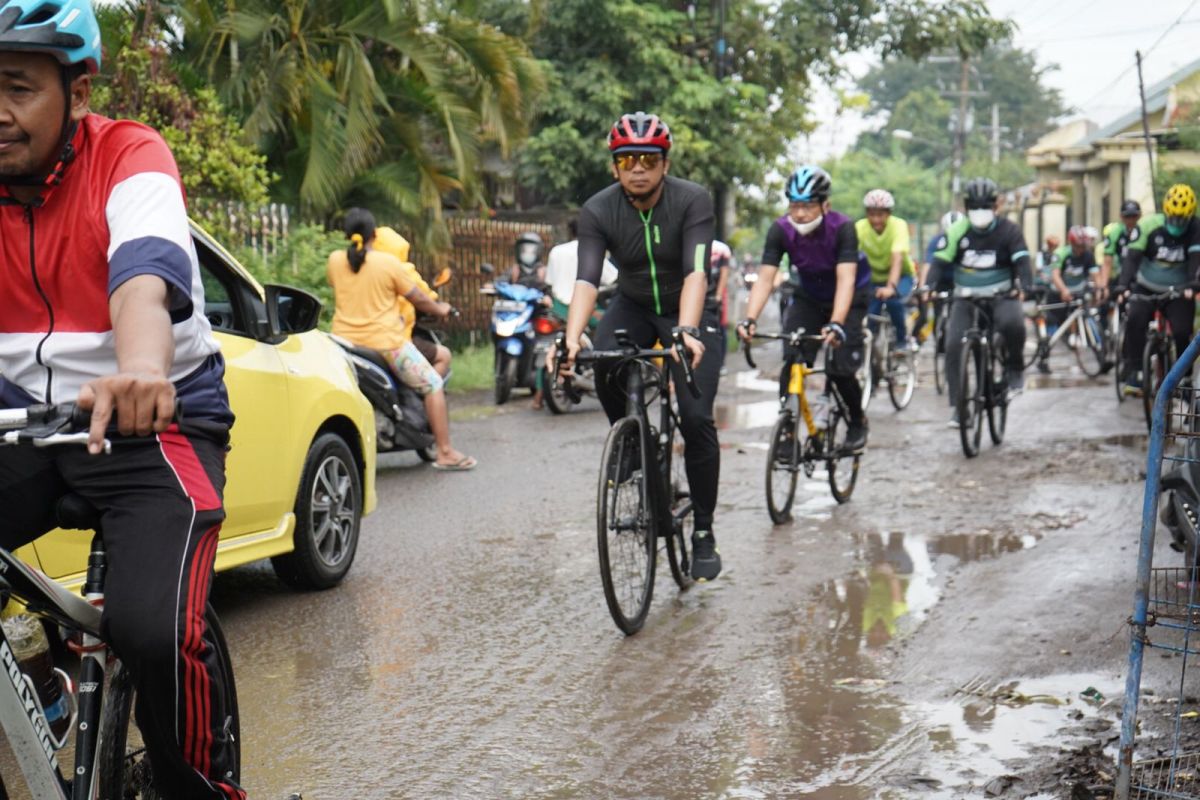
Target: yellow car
301,468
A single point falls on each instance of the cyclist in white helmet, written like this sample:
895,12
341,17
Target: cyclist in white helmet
883,238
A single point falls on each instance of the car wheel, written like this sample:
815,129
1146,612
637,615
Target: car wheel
328,516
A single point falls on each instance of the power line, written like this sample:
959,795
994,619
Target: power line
1109,35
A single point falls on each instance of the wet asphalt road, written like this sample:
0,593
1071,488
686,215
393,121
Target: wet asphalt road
470,654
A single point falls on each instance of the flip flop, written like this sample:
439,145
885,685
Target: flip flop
462,465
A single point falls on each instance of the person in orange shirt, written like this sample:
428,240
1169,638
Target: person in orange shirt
389,241
366,286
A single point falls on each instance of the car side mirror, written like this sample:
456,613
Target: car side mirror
291,310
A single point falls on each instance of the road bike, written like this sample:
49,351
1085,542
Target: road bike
898,369
643,500
110,761
1084,330
794,447
982,387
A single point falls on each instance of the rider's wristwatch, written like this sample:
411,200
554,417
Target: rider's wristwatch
690,330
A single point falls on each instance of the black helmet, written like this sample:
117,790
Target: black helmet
1131,208
528,248
980,193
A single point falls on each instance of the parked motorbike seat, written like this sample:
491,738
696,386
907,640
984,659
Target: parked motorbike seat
374,357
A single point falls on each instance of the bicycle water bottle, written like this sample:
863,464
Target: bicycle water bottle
31,648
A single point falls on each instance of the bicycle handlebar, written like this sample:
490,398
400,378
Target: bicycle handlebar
50,424
629,353
793,339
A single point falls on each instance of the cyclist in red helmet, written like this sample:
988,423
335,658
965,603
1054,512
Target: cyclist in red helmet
658,230
1071,268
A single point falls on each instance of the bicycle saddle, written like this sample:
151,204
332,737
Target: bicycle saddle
74,512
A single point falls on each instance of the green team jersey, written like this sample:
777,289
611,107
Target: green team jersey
990,259
1074,269
1166,256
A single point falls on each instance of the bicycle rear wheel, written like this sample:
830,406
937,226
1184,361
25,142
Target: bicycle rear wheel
1118,357
679,540
866,375
902,378
1157,358
783,467
970,397
625,531
997,398
939,353
1091,353
841,465
123,765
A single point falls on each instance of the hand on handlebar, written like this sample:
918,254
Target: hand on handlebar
834,334
694,347
144,404
562,357
746,329
885,292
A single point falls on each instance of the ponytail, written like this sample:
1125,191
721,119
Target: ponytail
359,226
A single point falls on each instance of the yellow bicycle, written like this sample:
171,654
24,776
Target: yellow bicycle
820,439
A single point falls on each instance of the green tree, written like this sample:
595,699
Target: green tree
390,103
915,186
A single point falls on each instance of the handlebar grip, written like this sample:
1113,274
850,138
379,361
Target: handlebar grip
749,358
81,419
568,386
685,361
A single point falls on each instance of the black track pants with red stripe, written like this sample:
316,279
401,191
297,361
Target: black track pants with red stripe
160,500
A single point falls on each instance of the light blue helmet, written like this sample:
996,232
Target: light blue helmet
808,184
65,29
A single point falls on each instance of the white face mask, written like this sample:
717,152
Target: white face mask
805,228
981,217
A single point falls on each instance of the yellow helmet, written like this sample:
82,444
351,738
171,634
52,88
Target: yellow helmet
1180,201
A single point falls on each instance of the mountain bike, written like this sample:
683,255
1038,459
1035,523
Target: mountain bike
796,448
897,369
643,497
1083,329
982,388
941,306
1159,353
110,759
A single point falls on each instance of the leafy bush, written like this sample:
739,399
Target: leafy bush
299,261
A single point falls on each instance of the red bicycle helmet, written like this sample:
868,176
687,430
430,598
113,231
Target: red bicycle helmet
639,132
1077,235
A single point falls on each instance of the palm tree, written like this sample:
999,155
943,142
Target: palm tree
393,100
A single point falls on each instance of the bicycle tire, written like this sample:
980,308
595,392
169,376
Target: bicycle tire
683,516
939,354
779,500
970,400
632,550
555,395
123,767
997,397
842,467
1119,365
1156,362
866,375
902,379
1091,352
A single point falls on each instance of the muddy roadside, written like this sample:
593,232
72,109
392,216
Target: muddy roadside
1012,674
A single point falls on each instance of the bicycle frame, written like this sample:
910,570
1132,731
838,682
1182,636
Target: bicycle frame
21,714
636,406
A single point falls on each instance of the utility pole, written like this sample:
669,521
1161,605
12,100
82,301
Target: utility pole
995,133
1146,126
960,130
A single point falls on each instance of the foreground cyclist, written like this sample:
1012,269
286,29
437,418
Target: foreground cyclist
102,302
984,255
658,230
1165,256
832,286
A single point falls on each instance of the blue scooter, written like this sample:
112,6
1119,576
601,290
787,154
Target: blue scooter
522,331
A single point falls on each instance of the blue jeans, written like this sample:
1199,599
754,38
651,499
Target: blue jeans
895,308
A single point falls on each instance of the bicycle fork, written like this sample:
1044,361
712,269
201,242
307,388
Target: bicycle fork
92,657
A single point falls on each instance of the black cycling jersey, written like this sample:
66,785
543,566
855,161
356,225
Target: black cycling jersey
977,259
654,250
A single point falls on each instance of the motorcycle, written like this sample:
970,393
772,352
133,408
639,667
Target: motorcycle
523,329
1181,509
400,419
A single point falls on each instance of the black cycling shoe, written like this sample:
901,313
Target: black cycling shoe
1043,367
856,437
706,559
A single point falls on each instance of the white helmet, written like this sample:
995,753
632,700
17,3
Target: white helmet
949,218
879,199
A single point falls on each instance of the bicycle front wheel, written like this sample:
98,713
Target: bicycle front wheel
123,765
1091,353
1118,357
625,531
939,354
866,375
902,378
783,467
1156,362
841,464
970,397
997,400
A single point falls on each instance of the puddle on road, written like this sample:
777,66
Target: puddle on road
1035,380
746,415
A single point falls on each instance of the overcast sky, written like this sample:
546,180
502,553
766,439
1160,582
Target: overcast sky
1093,43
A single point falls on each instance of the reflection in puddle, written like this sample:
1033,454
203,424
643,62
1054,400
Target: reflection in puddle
747,415
756,381
1037,381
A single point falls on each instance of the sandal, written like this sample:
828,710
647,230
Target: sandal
462,465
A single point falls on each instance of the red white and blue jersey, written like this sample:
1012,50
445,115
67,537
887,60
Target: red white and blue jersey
119,212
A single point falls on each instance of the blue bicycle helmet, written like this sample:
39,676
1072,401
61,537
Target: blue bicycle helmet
65,29
808,184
